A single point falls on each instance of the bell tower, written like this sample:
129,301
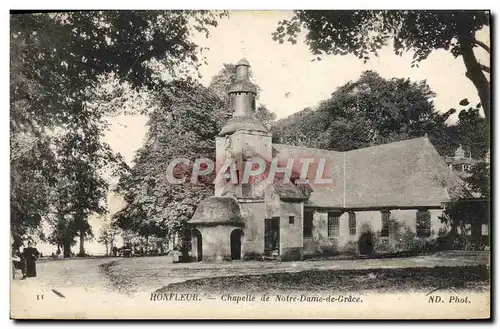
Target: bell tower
241,139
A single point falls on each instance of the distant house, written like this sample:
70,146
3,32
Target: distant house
461,162
374,196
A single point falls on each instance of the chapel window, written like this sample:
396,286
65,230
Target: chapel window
423,224
386,214
333,224
247,190
352,223
484,229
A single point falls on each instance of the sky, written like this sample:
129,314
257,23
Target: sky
290,81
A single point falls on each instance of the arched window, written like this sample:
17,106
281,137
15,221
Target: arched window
423,224
352,223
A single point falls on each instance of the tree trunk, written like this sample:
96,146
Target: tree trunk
82,244
66,250
475,74
185,239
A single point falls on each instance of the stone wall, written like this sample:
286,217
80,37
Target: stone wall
254,214
321,244
291,246
237,148
216,243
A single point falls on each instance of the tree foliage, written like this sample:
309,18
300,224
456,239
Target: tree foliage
463,219
81,188
183,125
107,236
370,111
58,62
365,32
480,181
473,131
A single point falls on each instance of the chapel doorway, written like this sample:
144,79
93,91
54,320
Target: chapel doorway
236,237
272,235
365,242
198,244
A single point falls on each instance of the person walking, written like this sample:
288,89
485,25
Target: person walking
30,255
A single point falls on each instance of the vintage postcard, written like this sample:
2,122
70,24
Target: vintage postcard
179,164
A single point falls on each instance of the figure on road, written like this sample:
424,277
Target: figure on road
30,255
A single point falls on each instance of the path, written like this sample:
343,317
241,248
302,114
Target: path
82,286
150,273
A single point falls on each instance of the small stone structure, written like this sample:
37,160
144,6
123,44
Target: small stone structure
218,230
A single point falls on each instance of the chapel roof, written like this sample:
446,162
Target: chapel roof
407,173
289,192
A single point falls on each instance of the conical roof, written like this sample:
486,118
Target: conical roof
218,211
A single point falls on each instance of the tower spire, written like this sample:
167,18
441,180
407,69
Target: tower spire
242,91
242,94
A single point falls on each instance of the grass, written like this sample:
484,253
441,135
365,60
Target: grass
380,280
117,282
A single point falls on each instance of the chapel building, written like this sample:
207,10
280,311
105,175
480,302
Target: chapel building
374,193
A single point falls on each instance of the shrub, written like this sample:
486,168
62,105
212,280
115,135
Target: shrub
328,247
381,244
407,241
325,247
350,247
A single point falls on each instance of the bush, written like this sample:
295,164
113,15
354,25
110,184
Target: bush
328,247
381,244
350,247
407,241
325,247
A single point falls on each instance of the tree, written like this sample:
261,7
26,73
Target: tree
473,131
58,60
469,212
31,177
71,50
83,158
462,216
364,32
107,236
63,234
183,124
480,181
370,111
